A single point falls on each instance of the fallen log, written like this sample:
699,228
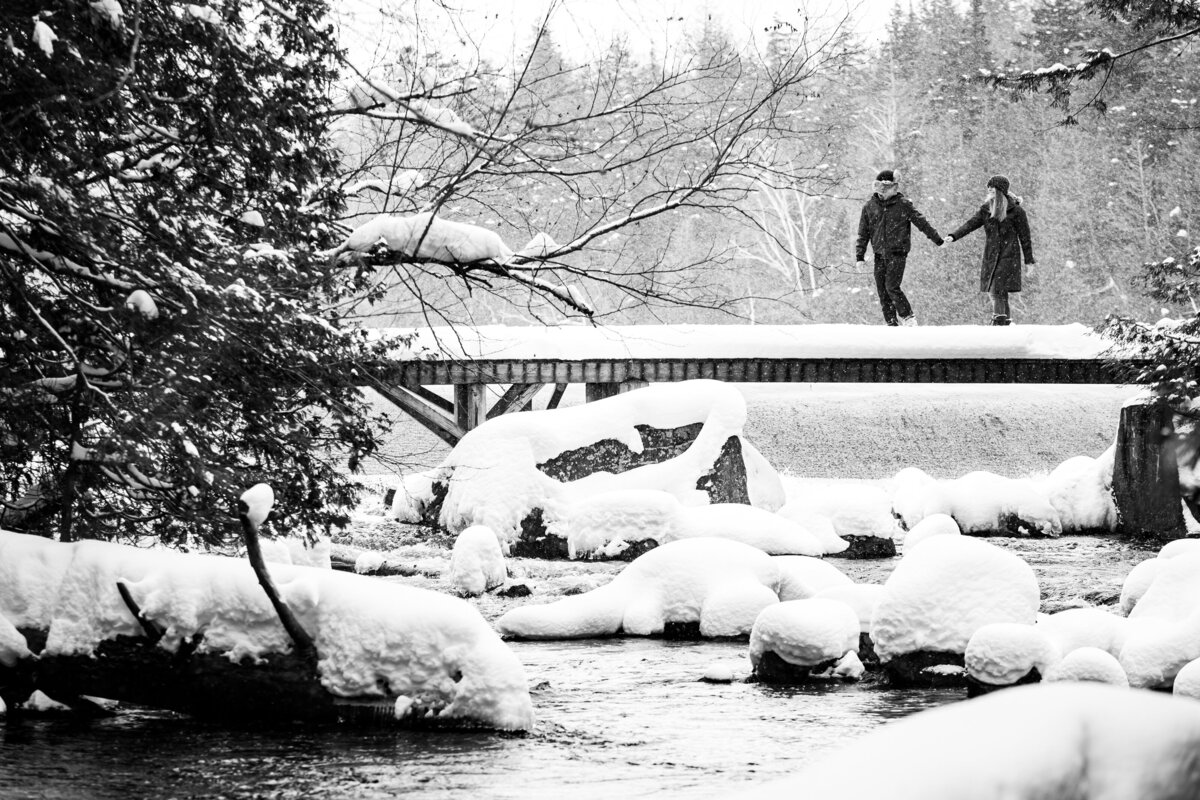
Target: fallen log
197,634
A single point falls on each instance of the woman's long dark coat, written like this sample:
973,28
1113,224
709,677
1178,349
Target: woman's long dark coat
1006,241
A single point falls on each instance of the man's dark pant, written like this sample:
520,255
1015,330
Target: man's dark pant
889,272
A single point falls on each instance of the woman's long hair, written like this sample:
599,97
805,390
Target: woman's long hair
999,204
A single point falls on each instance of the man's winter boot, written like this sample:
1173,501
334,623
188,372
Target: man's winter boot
1000,319
909,322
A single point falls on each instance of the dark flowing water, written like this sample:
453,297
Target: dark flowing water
615,718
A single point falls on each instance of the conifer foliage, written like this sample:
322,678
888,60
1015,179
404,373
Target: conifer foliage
168,335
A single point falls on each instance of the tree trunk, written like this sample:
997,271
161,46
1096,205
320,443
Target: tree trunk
1145,475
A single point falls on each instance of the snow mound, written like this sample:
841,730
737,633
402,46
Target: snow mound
1164,625
1080,491
1085,627
862,598
432,648
804,632
476,563
1002,653
980,502
1088,664
608,521
1187,682
1078,740
710,581
802,577
817,524
945,590
932,525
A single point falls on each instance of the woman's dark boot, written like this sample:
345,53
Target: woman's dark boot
1000,319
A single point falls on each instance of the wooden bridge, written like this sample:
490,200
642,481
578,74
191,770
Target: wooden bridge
521,362
607,361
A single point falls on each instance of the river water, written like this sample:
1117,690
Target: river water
621,717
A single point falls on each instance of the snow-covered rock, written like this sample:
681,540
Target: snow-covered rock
861,597
493,477
1080,491
1187,682
816,524
980,502
432,648
1078,740
1137,582
932,525
1088,664
476,563
804,633
1163,631
803,577
635,515
710,581
1085,627
945,590
1002,653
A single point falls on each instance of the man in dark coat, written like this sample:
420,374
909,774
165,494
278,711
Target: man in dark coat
886,223
1006,227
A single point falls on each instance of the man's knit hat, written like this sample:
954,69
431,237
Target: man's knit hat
887,176
999,183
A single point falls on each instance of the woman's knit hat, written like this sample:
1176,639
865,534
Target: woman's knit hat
887,176
999,182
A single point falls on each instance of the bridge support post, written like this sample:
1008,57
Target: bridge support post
1145,475
599,391
470,405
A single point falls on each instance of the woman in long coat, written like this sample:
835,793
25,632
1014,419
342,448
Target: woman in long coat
1007,229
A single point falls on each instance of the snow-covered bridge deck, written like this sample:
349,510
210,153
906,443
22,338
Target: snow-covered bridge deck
525,359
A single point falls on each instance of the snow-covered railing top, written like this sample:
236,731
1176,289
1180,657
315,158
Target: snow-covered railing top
497,354
579,342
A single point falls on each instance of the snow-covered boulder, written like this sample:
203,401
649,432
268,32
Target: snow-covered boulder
722,585
940,594
1085,741
816,524
932,525
1085,627
909,496
1008,653
416,494
868,533
607,523
1163,631
789,640
1137,582
1088,664
427,653
861,597
521,474
476,563
1187,682
981,503
802,576
1080,491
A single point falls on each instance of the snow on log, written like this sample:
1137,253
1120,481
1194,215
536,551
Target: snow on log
427,237
385,651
